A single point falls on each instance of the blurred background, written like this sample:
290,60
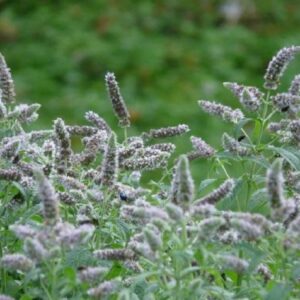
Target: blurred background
166,55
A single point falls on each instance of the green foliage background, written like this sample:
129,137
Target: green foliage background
166,55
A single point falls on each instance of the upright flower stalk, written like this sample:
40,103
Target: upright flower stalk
182,187
117,101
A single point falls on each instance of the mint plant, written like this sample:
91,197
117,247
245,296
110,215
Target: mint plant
81,225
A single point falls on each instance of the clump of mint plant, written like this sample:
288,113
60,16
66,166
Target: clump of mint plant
80,225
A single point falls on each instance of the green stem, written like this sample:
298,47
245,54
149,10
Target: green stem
223,168
125,135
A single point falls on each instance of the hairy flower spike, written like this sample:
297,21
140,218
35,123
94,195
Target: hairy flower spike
97,121
234,263
117,100
12,174
153,239
63,146
16,262
275,184
225,112
114,254
81,130
286,102
233,146
222,191
35,249
277,66
294,88
168,131
110,164
182,188
202,149
249,96
48,198
103,289
92,274
6,82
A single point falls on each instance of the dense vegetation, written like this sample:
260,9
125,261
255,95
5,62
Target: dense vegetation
78,224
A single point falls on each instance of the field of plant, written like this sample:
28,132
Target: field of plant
80,223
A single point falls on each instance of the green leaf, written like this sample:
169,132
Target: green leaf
279,292
115,271
240,125
205,183
288,156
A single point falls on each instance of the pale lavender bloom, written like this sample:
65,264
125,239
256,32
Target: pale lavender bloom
93,145
81,130
278,126
23,231
233,146
265,272
25,113
103,289
167,131
92,274
175,212
5,297
222,191
182,187
235,264
65,198
70,237
229,237
3,109
275,182
12,174
48,148
153,239
129,150
225,112
69,182
206,210
10,149
6,82
210,225
97,121
164,147
294,88
114,254
48,198
277,66
146,162
63,146
143,213
286,102
142,248
248,230
201,147
110,164
16,262
128,192
294,127
249,96
95,195
252,218
132,265
35,250
117,101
